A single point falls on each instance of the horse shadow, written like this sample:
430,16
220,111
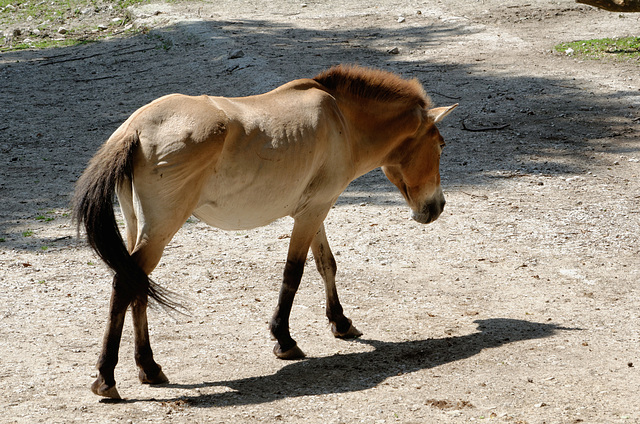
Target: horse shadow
363,370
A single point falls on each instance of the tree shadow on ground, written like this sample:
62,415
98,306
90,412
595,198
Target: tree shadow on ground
361,371
75,97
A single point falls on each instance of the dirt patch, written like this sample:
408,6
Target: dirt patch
521,300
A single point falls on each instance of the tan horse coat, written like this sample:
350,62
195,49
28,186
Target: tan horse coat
239,163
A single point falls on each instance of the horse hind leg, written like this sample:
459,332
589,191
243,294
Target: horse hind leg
149,372
147,254
341,326
105,383
125,198
160,225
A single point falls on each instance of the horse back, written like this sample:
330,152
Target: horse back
295,122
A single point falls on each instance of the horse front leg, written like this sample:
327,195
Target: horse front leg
149,371
341,326
301,236
286,347
105,383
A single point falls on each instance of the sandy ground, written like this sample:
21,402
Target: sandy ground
519,305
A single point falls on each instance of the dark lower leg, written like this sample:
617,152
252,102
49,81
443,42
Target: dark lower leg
340,325
286,347
150,371
105,384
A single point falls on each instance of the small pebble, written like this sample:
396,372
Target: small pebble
236,54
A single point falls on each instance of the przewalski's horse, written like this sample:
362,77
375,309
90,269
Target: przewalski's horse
240,163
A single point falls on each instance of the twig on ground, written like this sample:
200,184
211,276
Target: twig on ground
466,128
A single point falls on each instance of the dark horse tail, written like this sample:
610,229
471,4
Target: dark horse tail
92,207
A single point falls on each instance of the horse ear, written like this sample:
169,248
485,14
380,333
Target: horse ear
438,113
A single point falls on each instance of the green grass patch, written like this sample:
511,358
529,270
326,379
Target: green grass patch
21,10
29,24
627,48
48,44
47,216
44,218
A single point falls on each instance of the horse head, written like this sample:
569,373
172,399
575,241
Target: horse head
417,171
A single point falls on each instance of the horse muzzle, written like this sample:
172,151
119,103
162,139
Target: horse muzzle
430,210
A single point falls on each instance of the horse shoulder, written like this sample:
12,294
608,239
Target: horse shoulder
335,169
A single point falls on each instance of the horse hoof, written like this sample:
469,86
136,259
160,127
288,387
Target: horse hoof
351,333
100,388
160,378
294,353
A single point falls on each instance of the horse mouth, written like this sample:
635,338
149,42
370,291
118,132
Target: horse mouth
429,213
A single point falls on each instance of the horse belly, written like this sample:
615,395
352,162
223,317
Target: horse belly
243,211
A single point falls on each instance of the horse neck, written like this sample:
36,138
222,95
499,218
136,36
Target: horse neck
377,130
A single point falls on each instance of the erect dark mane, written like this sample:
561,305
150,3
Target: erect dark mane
373,84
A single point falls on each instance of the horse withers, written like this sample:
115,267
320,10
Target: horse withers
240,163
